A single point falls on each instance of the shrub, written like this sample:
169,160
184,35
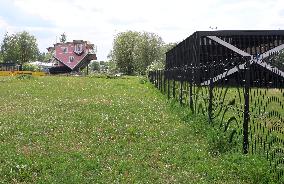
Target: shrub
29,67
143,80
24,77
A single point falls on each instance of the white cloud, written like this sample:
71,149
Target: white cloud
5,26
99,20
3,23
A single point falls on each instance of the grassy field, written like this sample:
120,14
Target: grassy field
98,130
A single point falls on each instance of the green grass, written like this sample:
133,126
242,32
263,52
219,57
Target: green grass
99,130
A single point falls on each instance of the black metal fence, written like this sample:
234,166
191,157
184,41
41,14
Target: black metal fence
235,78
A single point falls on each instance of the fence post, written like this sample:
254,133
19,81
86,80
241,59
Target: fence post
169,88
164,82
161,80
159,74
210,104
174,88
190,79
190,97
158,77
211,86
181,92
156,81
246,108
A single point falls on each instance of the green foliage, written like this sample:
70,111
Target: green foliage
9,48
48,57
24,77
30,67
143,80
112,68
123,49
147,50
219,141
166,47
134,51
155,66
160,64
19,48
43,57
1,57
102,62
95,66
277,61
104,67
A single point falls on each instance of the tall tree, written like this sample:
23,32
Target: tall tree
28,48
41,56
9,48
48,57
147,50
95,66
134,51
19,48
123,51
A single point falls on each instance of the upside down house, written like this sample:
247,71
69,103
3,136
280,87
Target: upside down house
71,56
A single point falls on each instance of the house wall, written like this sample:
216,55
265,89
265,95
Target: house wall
64,57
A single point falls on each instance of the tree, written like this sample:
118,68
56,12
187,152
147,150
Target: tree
168,46
28,48
134,51
112,68
123,51
63,38
48,57
160,64
147,50
19,48
9,48
41,56
95,66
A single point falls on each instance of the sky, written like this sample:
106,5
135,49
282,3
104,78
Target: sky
98,21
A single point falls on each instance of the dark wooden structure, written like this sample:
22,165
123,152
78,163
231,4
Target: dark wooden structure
219,54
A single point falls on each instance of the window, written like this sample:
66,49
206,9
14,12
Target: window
78,48
71,59
64,49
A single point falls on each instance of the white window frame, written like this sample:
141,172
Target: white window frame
78,48
71,60
64,50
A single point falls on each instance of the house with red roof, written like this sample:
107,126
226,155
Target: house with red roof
71,56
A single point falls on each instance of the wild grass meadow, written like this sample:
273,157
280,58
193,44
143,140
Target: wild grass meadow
109,130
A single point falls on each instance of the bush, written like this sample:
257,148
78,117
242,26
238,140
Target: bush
143,80
24,77
219,141
29,67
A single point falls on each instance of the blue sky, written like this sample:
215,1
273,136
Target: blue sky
98,21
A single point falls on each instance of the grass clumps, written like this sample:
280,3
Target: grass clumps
24,77
143,80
